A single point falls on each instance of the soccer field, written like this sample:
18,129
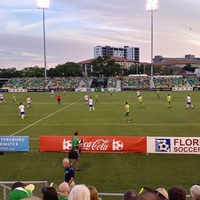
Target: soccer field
107,172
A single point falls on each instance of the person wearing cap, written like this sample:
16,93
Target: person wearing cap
150,194
20,191
163,192
63,191
195,192
69,173
76,146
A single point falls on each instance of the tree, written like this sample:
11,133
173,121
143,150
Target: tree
189,67
67,69
105,66
33,72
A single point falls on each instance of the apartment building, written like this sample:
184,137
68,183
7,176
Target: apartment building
130,53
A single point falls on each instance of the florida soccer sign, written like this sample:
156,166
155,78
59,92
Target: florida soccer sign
173,145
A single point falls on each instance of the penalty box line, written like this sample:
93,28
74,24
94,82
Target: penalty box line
45,118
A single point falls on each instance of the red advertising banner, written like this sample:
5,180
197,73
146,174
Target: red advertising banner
95,144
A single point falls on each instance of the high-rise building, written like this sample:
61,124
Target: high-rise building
131,53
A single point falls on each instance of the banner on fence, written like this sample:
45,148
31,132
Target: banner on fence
14,143
173,145
95,144
17,90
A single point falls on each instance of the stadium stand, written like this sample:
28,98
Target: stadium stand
137,82
112,82
12,83
64,83
169,81
86,83
127,82
193,80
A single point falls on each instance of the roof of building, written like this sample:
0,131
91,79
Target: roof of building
176,62
117,59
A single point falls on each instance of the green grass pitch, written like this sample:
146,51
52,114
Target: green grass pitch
107,172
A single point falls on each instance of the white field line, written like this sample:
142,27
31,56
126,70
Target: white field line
45,118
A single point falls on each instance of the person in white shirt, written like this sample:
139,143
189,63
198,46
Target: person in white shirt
2,99
52,93
138,94
86,98
28,101
22,110
189,102
91,105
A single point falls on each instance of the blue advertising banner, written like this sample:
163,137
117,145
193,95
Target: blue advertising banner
14,143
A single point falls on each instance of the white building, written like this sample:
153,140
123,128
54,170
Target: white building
130,53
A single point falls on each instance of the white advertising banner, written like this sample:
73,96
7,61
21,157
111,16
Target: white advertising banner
173,145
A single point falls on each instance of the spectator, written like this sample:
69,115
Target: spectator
163,192
130,195
32,198
49,193
19,191
177,193
152,194
69,173
79,192
63,191
195,192
93,193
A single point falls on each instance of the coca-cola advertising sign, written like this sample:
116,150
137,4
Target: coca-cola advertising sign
99,144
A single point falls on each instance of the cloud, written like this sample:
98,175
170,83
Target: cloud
73,28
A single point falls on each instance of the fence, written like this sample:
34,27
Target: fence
5,188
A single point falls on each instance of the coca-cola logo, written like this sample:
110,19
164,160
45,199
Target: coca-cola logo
99,145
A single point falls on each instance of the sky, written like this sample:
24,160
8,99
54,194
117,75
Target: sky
74,28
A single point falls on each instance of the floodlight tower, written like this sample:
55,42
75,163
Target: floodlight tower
44,4
151,6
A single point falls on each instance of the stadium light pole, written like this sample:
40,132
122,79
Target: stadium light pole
151,6
44,4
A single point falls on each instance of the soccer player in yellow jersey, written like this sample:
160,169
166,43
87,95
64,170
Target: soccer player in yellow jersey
126,114
169,98
96,98
158,94
140,99
14,100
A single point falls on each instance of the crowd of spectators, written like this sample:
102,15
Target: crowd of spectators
83,192
169,81
137,82
193,80
86,83
112,82
64,83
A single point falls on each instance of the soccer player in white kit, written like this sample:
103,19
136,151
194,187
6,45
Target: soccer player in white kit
189,102
86,98
138,94
91,105
22,110
28,101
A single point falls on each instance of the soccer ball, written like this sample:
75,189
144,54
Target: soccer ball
117,145
163,146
